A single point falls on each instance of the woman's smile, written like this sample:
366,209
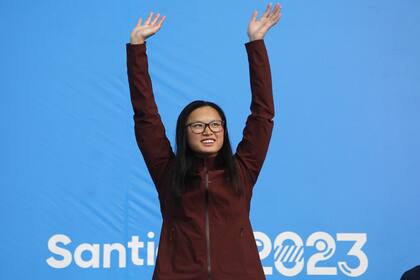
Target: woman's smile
208,141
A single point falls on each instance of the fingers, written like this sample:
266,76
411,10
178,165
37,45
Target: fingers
267,11
273,17
155,19
254,16
268,16
148,18
276,11
161,21
277,18
150,21
139,22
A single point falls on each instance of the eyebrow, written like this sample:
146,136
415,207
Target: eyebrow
194,121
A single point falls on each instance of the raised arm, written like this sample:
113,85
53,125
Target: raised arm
149,130
252,149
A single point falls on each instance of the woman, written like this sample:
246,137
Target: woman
204,190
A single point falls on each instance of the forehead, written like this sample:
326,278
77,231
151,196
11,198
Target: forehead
204,114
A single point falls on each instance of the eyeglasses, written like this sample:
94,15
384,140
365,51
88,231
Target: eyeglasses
200,127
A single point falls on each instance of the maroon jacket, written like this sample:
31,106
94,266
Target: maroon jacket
210,235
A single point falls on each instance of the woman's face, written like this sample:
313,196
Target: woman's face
208,142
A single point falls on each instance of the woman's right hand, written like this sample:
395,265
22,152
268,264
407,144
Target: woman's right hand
141,32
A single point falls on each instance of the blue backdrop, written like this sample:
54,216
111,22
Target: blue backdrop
338,195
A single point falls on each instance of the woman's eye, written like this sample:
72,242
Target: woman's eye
197,125
215,125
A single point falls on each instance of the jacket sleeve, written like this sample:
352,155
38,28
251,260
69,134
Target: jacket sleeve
149,130
252,149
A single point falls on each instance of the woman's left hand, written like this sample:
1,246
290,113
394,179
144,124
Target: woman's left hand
258,28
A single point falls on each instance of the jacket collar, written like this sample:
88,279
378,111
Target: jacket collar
212,163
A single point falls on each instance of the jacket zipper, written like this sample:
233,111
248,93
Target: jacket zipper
207,221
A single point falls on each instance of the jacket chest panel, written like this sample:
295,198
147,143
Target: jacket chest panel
210,192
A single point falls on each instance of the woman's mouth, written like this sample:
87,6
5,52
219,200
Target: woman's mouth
208,142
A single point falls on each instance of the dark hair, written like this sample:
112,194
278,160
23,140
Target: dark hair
184,155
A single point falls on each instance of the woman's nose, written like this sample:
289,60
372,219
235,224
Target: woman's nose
207,130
